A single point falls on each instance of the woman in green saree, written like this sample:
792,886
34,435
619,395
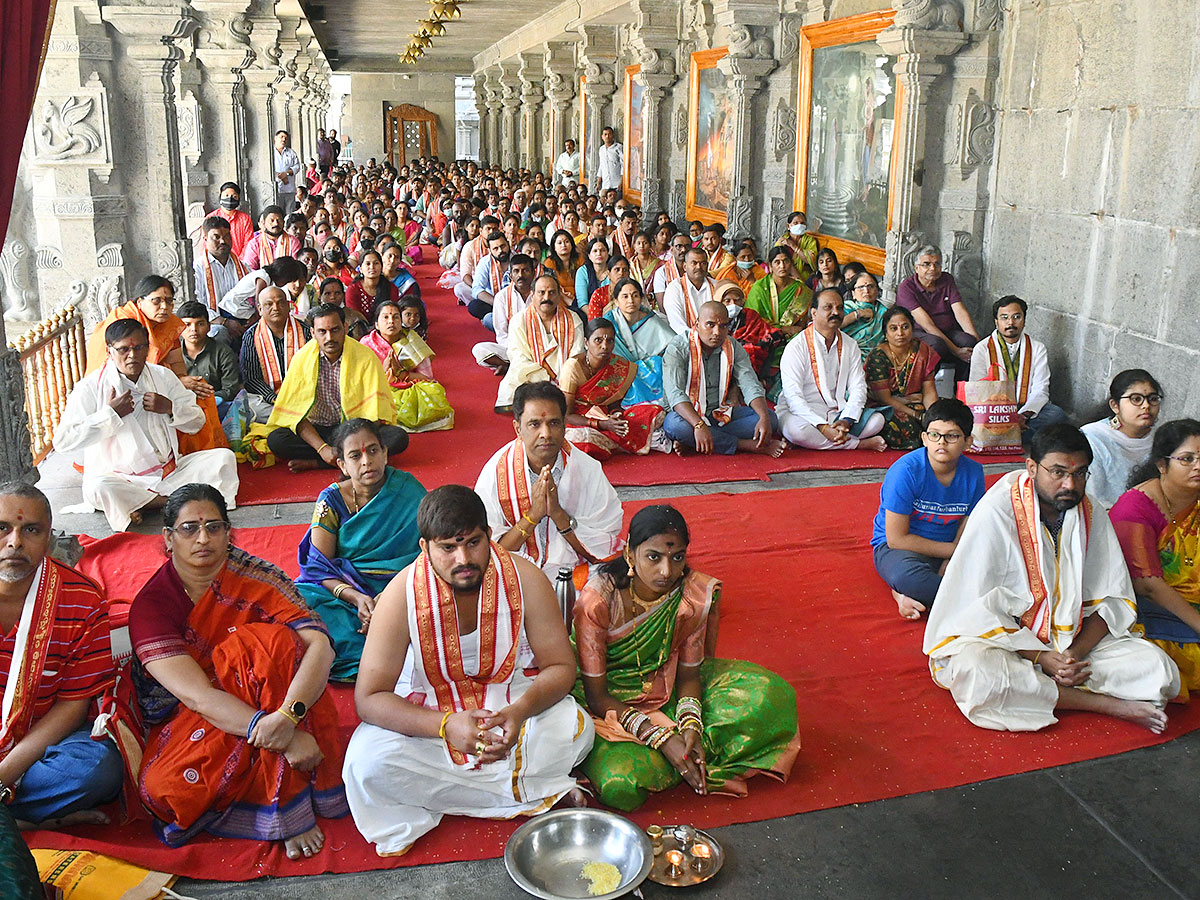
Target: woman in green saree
364,531
665,709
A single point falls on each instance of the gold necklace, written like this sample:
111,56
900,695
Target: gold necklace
645,605
354,496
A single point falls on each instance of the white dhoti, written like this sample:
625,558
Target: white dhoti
485,349
1000,689
462,291
120,495
399,787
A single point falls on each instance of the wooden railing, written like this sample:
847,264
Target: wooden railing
53,355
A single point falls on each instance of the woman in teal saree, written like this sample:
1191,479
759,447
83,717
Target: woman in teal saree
642,336
364,531
665,709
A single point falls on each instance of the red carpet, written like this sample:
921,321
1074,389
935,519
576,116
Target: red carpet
456,456
873,723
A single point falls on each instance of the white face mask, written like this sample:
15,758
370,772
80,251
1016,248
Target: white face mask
734,310
745,264
798,229
620,211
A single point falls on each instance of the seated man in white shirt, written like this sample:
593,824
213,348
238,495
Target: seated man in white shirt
686,294
671,269
824,392
491,275
216,270
506,306
122,420
1022,360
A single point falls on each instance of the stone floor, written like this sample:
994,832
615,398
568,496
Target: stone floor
1113,827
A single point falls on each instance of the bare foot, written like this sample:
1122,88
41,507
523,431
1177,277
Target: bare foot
83,817
1141,713
774,449
909,608
576,798
135,517
307,844
877,443
303,465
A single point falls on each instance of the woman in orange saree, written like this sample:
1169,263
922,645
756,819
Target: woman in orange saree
594,383
154,300
231,674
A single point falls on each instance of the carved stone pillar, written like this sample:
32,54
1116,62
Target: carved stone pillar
16,462
481,108
150,155
67,235
258,190
746,66
510,103
654,39
598,55
654,195
561,79
223,52
921,37
490,152
532,76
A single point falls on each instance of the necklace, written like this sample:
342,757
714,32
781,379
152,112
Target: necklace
645,605
354,497
1189,559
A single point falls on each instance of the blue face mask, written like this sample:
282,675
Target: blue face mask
745,264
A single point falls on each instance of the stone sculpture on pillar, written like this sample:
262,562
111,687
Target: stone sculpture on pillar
598,55
750,59
532,76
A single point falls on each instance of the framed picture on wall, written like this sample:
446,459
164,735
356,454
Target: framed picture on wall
712,127
585,136
846,140
635,131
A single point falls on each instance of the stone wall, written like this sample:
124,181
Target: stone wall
369,92
1094,219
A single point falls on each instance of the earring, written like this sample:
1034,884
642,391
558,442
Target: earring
629,562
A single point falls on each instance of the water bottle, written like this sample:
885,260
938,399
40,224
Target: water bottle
564,590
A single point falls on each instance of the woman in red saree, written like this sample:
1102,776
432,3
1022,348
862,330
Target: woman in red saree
594,383
152,305
230,676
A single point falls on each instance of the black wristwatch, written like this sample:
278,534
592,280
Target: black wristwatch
296,711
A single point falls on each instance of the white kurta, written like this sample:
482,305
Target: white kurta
681,295
506,306
523,366
837,390
124,457
1037,361
583,492
399,787
975,629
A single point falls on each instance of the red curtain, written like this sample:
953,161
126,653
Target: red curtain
23,34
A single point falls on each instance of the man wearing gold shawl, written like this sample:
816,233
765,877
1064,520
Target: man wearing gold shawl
1034,610
332,378
452,725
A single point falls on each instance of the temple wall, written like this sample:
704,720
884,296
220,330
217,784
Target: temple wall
369,92
1097,170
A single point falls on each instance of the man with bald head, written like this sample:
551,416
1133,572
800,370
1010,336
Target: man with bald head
703,372
543,336
268,348
55,660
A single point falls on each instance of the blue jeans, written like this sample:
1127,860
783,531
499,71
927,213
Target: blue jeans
909,573
75,774
740,427
1048,415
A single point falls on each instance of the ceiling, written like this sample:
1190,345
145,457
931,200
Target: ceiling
369,35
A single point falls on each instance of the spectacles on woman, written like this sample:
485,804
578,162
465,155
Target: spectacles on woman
1143,399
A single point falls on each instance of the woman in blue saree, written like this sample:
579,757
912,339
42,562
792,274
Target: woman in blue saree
642,336
364,531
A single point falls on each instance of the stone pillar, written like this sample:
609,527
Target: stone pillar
746,67
150,151
532,140
223,52
598,54
921,43
16,461
67,234
481,107
259,188
493,92
561,79
654,38
510,111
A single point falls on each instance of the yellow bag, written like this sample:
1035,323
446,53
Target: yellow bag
423,407
83,875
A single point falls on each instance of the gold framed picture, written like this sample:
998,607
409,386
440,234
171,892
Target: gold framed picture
712,130
635,130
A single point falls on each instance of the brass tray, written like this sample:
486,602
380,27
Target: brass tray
688,876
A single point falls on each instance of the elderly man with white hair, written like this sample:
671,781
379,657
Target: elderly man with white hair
943,322
267,350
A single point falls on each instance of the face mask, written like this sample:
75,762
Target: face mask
798,230
333,256
367,243
620,211
230,202
734,310
745,264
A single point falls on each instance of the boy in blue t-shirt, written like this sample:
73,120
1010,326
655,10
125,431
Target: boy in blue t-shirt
923,505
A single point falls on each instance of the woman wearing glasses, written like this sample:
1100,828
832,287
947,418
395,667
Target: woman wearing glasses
230,676
1122,441
1158,524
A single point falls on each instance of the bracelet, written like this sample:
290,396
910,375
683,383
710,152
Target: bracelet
254,721
525,516
700,424
442,727
661,736
339,589
322,447
287,714
688,704
7,792
1036,655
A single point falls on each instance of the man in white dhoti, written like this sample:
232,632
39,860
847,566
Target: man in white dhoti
506,306
122,420
547,500
686,294
1035,607
451,724
824,392
543,336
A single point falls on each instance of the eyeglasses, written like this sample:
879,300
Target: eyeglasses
948,439
1188,460
128,351
1058,473
191,530
867,286
1143,399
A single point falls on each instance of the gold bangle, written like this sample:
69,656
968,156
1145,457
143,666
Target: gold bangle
442,727
322,447
1036,655
525,516
287,714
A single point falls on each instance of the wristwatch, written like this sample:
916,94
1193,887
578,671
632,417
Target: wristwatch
570,526
6,793
296,710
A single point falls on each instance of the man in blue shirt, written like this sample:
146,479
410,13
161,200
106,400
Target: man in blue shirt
923,505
